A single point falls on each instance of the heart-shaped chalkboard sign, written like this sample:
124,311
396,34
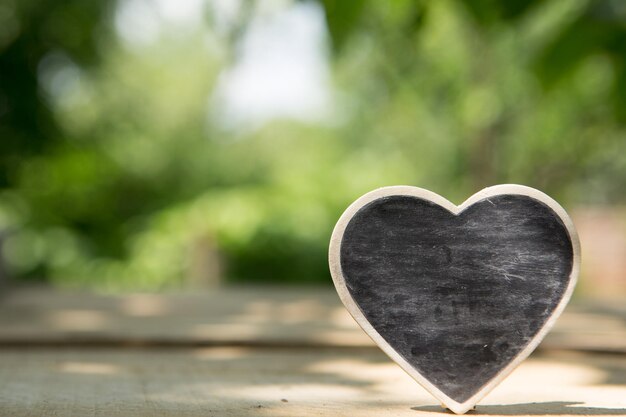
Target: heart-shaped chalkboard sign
458,296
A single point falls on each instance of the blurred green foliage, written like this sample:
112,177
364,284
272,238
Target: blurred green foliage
114,175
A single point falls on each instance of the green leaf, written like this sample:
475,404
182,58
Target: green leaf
342,17
591,33
488,12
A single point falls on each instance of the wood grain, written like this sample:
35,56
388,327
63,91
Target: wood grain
281,382
68,354
248,316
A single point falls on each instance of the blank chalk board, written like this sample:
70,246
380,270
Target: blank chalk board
458,296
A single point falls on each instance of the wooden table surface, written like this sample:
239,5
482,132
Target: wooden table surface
267,352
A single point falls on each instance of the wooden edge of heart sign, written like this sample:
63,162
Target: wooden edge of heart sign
357,314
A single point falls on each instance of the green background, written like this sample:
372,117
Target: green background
116,173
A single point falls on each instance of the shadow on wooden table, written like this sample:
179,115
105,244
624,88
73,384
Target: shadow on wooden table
534,409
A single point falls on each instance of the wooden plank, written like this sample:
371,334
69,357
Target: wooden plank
228,316
242,316
281,382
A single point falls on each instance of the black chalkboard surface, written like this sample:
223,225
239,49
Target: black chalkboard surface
458,296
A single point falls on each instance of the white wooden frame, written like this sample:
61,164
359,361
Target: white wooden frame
355,311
